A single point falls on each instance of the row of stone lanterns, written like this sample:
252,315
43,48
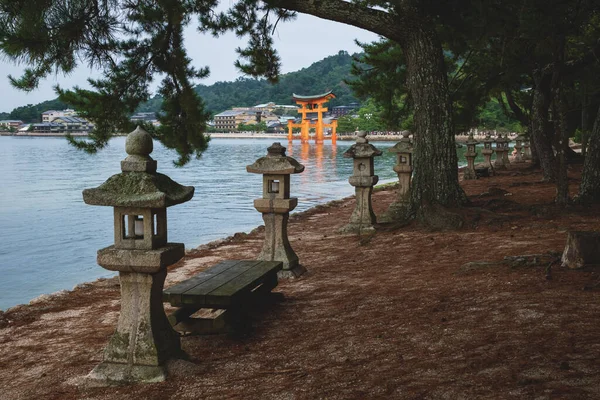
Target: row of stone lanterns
501,149
140,196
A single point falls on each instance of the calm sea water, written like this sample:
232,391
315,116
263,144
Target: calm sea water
49,237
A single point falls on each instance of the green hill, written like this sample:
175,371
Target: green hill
33,112
324,75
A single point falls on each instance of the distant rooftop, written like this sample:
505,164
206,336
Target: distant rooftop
231,113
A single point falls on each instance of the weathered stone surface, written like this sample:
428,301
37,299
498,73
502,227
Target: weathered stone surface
397,210
275,207
276,246
138,185
469,172
138,189
145,261
275,162
582,249
363,179
144,339
362,150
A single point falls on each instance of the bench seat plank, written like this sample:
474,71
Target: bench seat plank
173,294
198,294
229,293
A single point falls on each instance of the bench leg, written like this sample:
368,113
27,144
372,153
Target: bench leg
205,326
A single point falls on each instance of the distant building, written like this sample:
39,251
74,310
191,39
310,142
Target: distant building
47,127
272,107
339,111
230,120
10,123
50,115
144,117
73,124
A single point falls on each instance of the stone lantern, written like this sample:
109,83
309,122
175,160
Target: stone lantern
363,179
487,152
506,142
470,155
518,147
144,339
499,162
404,168
275,207
526,148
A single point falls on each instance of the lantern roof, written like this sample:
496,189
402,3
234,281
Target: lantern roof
522,137
471,140
138,185
403,146
275,162
362,150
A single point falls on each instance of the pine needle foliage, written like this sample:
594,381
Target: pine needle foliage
132,42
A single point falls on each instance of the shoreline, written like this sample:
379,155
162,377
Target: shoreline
241,135
396,315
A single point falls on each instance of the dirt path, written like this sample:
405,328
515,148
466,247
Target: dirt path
390,317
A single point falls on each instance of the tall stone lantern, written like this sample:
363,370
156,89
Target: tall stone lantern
404,168
518,147
470,155
487,152
275,207
526,148
363,179
505,143
144,339
499,162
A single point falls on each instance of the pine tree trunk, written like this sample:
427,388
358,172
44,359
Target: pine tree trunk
539,127
435,178
589,191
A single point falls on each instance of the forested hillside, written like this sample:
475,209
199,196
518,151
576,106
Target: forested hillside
33,112
324,75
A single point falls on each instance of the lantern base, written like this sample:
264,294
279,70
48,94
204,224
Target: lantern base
469,174
291,273
396,212
112,374
359,229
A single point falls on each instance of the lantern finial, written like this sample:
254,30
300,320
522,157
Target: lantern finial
139,146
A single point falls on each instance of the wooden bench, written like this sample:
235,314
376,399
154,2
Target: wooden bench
231,285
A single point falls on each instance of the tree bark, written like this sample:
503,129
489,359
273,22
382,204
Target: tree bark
539,127
435,177
435,160
589,190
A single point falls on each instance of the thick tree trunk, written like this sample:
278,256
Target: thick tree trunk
539,127
435,181
589,191
435,177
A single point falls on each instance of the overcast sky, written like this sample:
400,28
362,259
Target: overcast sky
300,43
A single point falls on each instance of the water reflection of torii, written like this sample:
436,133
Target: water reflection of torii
309,105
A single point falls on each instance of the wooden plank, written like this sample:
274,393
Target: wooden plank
198,295
173,293
227,294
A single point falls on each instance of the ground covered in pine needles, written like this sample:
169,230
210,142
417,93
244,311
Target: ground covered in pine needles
405,314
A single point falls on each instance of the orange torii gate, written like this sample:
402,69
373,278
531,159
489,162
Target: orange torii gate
313,104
